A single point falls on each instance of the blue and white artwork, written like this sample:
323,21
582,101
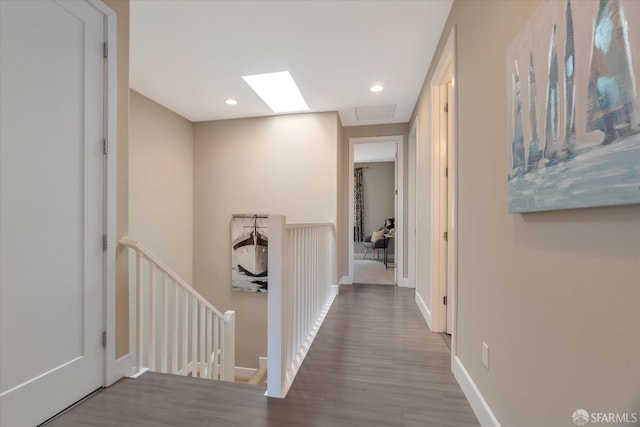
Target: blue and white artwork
574,107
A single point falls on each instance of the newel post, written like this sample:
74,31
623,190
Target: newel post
229,356
276,315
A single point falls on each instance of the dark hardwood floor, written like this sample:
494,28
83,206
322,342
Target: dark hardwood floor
373,363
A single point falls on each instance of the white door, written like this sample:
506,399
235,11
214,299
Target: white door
51,207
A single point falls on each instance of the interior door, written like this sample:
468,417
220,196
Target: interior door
51,207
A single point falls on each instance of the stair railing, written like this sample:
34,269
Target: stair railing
302,287
174,329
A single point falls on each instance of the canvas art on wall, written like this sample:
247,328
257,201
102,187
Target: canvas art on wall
249,253
574,106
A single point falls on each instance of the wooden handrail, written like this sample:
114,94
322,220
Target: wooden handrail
139,247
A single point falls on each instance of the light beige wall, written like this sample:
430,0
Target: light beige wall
379,201
366,132
121,8
556,295
282,165
161,183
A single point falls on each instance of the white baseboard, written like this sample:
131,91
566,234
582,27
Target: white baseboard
345,281
262,362
473,395
136,374
426,313
122,367
403,282
243,373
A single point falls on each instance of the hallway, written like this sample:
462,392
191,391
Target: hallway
373,363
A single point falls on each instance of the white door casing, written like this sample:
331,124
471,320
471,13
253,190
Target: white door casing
399,222
52,204
444,138
412,202
449,208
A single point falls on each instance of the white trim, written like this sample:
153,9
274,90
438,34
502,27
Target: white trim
399,140
345,281
424,310
480,407
404,283
242,373
136,374
126,364
114,368
412,204
262,362
445,71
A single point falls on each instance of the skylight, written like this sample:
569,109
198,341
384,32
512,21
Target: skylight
278,91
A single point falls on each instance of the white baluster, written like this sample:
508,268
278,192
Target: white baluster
152,301
165,329
209,338
229,346
176,325
216,346
201,342
194,338
139,317
185,334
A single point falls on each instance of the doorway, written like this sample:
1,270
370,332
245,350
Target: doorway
444,194
393,267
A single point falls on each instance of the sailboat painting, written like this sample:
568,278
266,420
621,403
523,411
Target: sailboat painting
249,253
573,99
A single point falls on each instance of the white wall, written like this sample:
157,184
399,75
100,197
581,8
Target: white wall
161,183
556,295
282,165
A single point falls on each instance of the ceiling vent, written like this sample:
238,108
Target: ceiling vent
375,112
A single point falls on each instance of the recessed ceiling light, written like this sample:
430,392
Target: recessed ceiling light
230,101
376,88
278,91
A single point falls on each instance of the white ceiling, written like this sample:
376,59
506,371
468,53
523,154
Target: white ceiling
374,152
189,55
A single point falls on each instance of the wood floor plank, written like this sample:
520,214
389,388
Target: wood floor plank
373,363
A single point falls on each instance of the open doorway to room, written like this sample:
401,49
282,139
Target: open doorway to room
375,210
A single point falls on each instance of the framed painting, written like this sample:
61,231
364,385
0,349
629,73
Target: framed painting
574,107
249,253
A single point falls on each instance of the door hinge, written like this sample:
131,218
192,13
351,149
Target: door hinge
446,108
104,242
105,146
105,50
446,172
104,339
445,236
444,300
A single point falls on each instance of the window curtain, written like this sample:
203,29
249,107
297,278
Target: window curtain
358,201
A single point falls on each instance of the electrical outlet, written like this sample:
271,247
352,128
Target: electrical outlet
485,354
